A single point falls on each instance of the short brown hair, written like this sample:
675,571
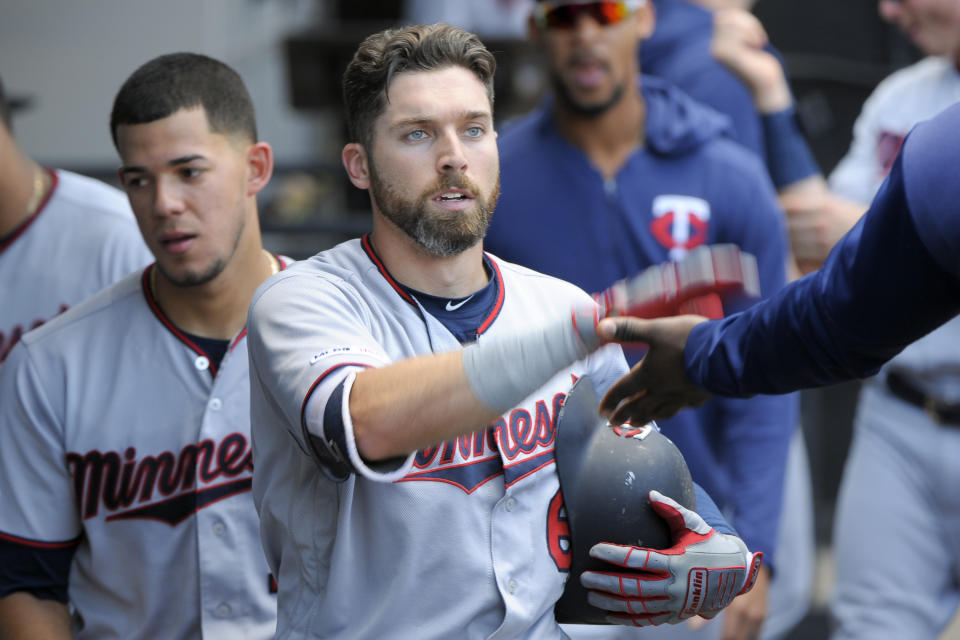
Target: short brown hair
168,83
423,47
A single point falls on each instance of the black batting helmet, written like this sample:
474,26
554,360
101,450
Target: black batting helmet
606,474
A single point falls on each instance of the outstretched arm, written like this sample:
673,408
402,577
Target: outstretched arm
433,398
887,283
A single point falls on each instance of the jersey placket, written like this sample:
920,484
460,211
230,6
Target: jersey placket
526,575
221,523
223,480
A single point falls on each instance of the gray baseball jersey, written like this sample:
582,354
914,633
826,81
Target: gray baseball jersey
82,238
120,437
465,539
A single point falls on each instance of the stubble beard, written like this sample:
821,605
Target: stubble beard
440,234
192,279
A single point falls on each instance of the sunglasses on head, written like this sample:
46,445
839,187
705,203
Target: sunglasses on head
555,15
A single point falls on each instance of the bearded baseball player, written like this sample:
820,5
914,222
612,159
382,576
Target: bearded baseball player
74,235
404,388
128,495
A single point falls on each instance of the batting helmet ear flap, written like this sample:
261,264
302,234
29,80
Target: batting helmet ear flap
606,474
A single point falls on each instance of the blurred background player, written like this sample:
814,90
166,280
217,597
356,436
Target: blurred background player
405,386
124,430
895,485
63,236
614,174
678,50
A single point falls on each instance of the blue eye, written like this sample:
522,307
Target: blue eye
474,132
417,134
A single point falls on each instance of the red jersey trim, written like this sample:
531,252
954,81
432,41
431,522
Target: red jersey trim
368,248
165,321
39,544
498,305
26,224
321,378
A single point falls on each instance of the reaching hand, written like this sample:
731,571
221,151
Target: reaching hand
816,220
658,386
738,43
699,575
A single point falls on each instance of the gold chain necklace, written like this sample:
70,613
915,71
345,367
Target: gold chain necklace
274,262
39,191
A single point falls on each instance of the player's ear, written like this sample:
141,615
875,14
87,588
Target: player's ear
259,159
357,164
646,20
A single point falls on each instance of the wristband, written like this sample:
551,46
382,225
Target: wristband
789,158
503,370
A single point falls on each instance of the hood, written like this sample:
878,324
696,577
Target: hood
676,123
678,25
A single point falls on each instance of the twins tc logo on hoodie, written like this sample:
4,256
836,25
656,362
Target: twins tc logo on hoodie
680,223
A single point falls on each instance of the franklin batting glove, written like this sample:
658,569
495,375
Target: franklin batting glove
699,575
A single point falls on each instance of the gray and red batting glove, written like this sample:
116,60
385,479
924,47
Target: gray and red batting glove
697,283
700,574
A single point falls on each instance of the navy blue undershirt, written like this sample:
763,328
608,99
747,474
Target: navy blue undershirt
214,348
461,316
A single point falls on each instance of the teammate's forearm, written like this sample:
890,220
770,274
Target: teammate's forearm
24,617
841,322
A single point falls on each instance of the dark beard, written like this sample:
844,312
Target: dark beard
214,270
195,279
579,108
439,234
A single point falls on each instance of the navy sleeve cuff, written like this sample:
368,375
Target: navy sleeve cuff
708,510
331,452
40,569
789,158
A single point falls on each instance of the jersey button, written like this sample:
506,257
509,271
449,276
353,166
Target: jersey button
215,404
219,528
222,610
201,363
512,586
511,503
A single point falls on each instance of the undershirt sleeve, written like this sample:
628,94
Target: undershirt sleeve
40,569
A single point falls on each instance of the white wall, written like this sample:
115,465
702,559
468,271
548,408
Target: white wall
71,56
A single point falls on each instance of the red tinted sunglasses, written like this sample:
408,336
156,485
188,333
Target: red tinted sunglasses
564,16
